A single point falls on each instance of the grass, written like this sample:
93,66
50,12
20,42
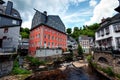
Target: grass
107,70
89,58
17,70
117,75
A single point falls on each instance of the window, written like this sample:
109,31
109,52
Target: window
52,37
15,14
118,42
4,37
14,21
107,30
5,30
45,44
48,36
1,11
98,33
48,44
44,36
102,32
117,28
39,35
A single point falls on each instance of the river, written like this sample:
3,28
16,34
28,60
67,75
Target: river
83,73
71,72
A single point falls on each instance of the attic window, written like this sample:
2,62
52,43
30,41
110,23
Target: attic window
15,14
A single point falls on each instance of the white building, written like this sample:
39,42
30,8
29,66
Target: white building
10,22
108,34
86,43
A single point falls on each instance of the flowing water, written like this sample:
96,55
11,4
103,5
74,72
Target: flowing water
82,73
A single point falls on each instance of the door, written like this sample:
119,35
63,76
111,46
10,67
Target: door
0,43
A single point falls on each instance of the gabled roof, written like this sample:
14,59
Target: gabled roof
109,21
8,14
53,21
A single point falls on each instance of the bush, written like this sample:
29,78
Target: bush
35,61
69,57
80,50
107,70
89,58
17,70
118,75
94,65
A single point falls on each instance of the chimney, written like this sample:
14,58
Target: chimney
2,2
45,12
9,8
103,19
118,8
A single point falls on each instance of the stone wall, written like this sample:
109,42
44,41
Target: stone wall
47,52
112,61
5,67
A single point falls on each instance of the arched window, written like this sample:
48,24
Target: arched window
4,37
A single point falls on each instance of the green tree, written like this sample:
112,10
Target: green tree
24,32
24,35
80,50
76,29
69,30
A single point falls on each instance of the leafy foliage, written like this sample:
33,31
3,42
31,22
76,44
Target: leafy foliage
80,50
86,30
108,71
69,30
17,70
69,57
25,32
35,61
89,58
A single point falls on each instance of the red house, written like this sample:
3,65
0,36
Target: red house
47,31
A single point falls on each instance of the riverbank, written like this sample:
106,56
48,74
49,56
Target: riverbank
75,70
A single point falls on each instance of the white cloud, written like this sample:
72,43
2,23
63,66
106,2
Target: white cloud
93,3
76,17
104,9
53,7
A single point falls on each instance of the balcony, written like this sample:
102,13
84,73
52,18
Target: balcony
113,50
7,51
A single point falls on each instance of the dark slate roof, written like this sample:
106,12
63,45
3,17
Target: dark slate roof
8,14
69,38
109,21
52,21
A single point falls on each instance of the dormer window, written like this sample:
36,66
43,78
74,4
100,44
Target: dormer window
15,14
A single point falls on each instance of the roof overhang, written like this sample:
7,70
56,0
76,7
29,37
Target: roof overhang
117,9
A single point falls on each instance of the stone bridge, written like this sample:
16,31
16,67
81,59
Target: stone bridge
108,59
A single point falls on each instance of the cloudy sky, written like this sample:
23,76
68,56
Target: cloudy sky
72,12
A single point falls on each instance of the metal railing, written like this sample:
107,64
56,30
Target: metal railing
8,50
112,49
